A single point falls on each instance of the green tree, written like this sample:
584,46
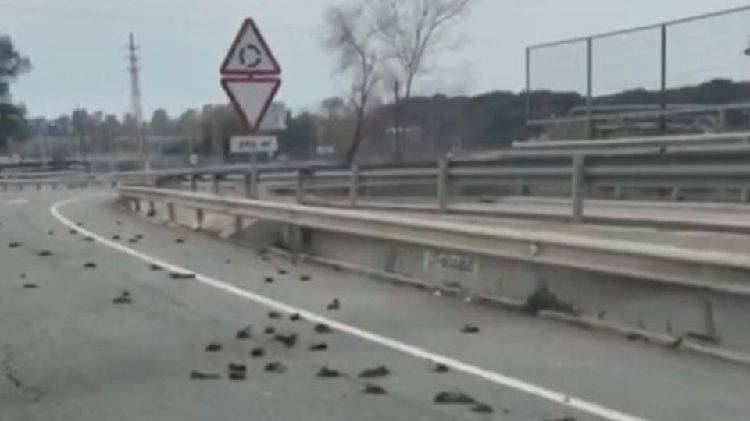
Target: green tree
12,64
300,137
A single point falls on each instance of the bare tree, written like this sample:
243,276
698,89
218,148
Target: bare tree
410,31
352,38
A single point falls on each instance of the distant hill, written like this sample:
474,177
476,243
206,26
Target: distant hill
495,119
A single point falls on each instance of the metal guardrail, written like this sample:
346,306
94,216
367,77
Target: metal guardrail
670,170
727,272
55,183
673,172
710,140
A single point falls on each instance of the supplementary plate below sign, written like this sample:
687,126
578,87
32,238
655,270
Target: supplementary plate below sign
253,144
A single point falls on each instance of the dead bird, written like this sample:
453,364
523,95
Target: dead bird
322,328
469,329
373,389
334,305
275,367
482,408
245,333
456,398
288,341
274,315
328,373
377,372
214,347
321,346
197,375
440,368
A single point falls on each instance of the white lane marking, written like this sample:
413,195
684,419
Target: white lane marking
19,201
491,376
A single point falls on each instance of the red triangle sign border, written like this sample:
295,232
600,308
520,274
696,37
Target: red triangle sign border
249,25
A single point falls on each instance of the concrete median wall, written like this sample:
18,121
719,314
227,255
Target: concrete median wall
640,304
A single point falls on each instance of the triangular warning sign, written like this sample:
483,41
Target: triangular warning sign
251,98
249,54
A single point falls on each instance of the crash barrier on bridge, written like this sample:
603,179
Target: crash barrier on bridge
704,140
81,181
719,271
717,172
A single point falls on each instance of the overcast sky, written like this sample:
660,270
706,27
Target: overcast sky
79,57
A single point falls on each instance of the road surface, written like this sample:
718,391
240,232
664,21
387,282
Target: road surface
68,352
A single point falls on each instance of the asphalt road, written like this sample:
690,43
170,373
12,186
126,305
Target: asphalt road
67,352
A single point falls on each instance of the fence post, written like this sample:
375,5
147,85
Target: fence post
442,184
354,182
578,187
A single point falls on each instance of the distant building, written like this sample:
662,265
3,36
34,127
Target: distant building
275,119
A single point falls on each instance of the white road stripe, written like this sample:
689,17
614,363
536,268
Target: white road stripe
491,376
19,201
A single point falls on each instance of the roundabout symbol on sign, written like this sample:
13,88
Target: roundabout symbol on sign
252,51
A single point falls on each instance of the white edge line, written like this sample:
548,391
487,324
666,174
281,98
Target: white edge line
491,376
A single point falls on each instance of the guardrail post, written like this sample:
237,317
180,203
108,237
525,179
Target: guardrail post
151,209
38,186
251,183
354,182
300,192
170,212
255,183
216,184
442,184
199,218
578,187
618,193
137,205
194,183
674,194
248,187
745,195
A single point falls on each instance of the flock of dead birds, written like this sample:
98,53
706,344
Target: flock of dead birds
237,371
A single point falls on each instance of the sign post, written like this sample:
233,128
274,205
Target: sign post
250,75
